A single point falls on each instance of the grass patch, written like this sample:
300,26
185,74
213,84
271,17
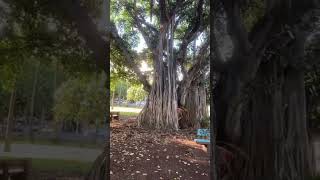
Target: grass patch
52,142
126,111
54,165
128,114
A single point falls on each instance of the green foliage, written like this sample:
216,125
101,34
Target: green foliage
81,99
12,63
312,82
67,100
37,34
118,70
113,80
136,93
124,22
29,35
121,88
252,13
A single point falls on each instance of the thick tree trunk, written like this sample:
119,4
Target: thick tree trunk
227,105
267,118
160,111
275,131
7,138
193,102
269,121
273,128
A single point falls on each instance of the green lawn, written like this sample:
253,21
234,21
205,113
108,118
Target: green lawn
132,111
53,165
126,111
54,143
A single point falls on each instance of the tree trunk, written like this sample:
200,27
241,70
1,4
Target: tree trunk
7,138
56,122
119,97
43,117
267,117
160,111
34,87
112,100
77,127
226,89
193,101
275,126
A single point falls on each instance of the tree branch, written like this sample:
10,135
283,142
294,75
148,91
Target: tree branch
236,27
198,69
75,12
217,62
163,12
191,33
202,61
128,57
94,40
148,31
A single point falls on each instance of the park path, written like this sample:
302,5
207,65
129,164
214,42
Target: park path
51,152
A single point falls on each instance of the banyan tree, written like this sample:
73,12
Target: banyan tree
170,30
259,91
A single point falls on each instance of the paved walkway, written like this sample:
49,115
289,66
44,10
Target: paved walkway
51,152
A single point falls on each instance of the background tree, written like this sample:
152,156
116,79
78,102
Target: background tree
80,101
136,93
71,32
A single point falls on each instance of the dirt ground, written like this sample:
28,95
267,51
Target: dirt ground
142,154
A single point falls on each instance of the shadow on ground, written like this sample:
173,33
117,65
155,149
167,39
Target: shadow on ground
143,154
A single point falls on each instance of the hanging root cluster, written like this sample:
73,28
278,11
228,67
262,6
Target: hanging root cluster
160,111
276,134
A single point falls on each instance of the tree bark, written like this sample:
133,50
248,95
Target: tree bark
260,98
191,91
32,103
193,101
275,131
7,138
271,118
160,111
112,100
